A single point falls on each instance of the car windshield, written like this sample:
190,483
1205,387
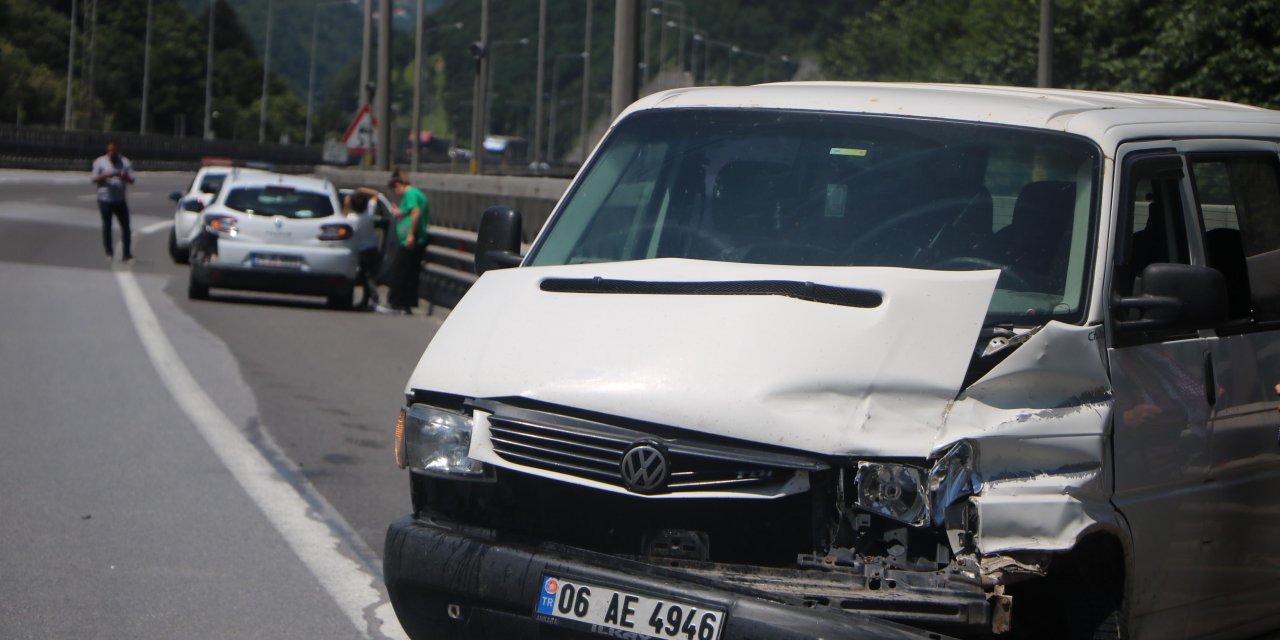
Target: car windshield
212,183
821,189
280,201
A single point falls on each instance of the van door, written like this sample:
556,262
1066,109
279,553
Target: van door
1237,193
1160,436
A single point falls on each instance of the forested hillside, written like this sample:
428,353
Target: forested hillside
1227,50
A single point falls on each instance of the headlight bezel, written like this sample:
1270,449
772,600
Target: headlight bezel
435,442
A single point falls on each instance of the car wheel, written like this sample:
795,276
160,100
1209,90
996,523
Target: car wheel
180,256
197,290
343,299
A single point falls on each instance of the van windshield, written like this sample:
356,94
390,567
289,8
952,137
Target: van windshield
821,189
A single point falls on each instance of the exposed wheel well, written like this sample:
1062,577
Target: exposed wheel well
1082,595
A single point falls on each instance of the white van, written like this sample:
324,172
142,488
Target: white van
853,360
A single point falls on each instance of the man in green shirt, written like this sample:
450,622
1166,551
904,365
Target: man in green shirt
411,231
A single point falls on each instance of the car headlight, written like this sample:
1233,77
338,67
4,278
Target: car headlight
436,442
910,494
896,491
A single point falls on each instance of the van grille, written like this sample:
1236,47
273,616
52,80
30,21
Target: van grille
594,451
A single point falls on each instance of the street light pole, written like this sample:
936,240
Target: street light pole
208,79
146,72
366,45
266,70
71,61
477,106
542,60
415,128
586,84
382,98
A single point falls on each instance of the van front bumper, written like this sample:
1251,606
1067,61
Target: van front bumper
452,581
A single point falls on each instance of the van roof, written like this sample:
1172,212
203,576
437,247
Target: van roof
1099,115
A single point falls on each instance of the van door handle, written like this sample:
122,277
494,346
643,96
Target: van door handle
1210,383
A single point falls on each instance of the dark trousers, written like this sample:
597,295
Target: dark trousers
405,268
121,211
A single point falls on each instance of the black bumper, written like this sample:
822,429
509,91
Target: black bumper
449,582
272,280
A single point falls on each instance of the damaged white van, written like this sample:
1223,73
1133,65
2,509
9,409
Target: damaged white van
837,360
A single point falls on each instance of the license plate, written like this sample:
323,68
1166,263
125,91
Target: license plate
622,614
277,262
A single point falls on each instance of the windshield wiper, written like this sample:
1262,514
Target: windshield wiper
812,292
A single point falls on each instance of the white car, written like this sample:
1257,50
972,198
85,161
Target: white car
186,219
279,233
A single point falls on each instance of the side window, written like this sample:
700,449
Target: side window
1238,197
1154,225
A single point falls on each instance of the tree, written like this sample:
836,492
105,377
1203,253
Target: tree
1194,48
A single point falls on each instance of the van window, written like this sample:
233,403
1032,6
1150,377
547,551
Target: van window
1155,221
1239,208
818,189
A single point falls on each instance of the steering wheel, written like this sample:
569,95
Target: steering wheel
1007,272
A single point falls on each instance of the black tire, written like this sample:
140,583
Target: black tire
343,299
180,256
197,290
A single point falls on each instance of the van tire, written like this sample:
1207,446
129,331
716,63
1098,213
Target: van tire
180,256
1082,597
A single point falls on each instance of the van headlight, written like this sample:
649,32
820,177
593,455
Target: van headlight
896,491
913,495
436,442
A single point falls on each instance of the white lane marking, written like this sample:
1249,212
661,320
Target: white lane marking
155,226
349,585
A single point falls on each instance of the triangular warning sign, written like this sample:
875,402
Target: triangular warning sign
360,135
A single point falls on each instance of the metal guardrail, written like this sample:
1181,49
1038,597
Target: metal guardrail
41,148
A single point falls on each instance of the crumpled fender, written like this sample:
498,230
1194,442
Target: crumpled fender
1040,423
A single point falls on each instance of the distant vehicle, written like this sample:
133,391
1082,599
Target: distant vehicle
505,149
458,153
202,190
431,148
278,233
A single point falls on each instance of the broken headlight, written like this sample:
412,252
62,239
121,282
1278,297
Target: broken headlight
913,495
436,442
895,491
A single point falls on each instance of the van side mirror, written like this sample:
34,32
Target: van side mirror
1176,297
498,243
175,196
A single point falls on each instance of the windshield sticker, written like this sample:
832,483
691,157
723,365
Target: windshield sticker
845,151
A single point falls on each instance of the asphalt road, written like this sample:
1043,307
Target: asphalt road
174,468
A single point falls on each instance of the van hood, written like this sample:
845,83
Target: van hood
831,360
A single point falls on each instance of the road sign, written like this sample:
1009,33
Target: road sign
359,138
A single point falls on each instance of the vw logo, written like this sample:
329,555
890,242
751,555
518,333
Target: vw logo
279,221
645,468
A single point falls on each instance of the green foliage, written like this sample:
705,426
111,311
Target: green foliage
1202,48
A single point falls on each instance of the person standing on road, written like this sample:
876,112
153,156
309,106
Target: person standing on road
112,172
358,204
411,231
